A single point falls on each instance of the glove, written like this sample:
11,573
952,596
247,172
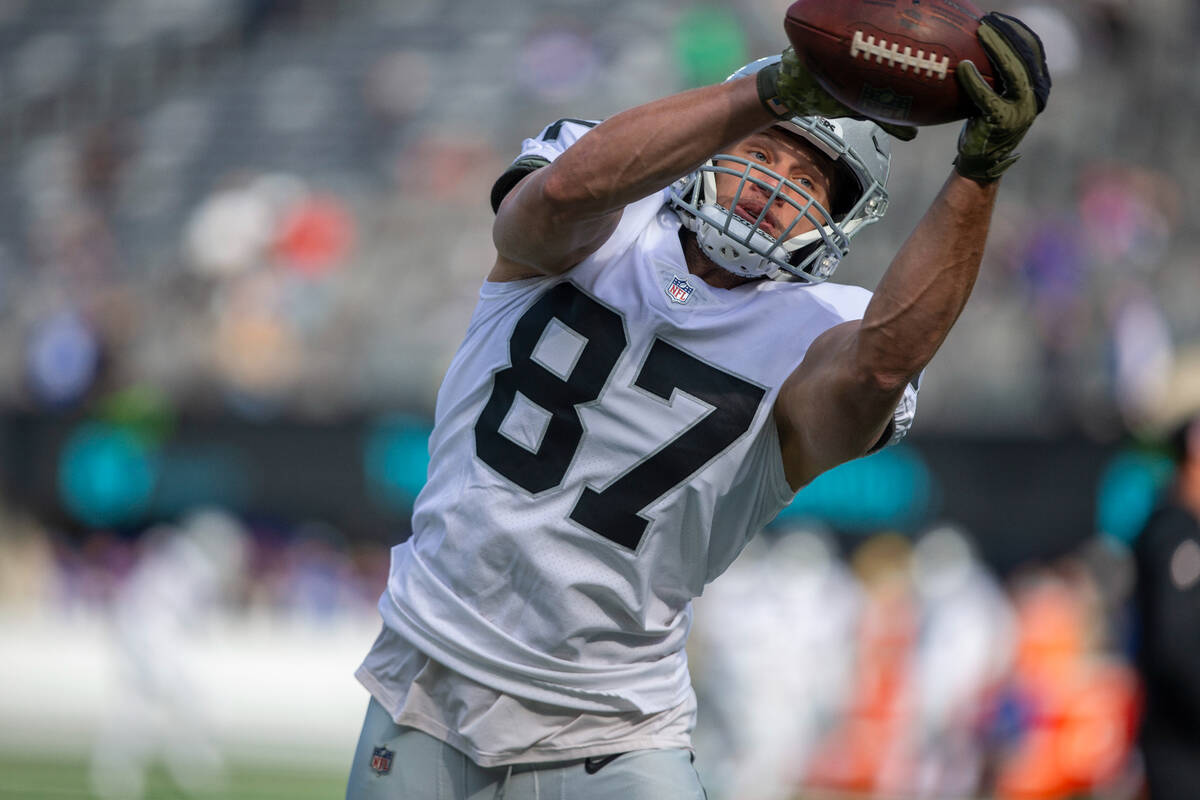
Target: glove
987,140
788,89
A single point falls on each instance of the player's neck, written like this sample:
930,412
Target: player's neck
703,267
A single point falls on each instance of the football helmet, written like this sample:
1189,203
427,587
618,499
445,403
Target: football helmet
861,152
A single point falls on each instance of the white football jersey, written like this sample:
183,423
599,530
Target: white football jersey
604,447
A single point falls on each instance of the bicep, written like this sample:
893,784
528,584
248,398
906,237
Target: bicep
537,234
829,410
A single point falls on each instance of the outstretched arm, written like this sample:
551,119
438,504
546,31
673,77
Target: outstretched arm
559,214
839,401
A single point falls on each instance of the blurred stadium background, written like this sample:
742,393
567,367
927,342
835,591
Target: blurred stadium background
239,242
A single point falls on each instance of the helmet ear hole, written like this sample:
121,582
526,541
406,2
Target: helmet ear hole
843,191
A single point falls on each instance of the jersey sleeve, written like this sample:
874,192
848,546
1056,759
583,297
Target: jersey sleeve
538,152
902,417
906,410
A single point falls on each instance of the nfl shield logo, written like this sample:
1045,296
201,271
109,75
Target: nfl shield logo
679,291
381,760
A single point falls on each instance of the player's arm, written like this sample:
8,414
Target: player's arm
840,400
562,213
838,403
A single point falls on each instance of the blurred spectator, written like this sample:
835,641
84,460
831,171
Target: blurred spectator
1168,568
935,642
1069,701
869,751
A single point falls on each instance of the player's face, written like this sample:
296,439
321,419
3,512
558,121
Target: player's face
788,156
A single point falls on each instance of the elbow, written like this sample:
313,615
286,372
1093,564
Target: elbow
541,195
888,369
556,189
887,382
894,382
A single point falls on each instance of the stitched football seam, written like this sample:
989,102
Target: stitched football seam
930,63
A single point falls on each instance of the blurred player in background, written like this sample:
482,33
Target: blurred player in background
181,579
1167,554
654,367
764,721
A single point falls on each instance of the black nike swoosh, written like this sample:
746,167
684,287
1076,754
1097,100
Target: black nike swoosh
594,764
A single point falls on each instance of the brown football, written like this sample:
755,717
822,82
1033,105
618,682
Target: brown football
893,60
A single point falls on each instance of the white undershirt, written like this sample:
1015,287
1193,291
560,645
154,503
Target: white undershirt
496,729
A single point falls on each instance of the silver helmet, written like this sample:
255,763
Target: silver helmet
861,152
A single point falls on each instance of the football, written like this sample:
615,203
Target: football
893,60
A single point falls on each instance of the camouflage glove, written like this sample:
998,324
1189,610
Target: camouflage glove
987,141
788,89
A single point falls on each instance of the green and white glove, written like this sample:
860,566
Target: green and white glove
988,141
788,89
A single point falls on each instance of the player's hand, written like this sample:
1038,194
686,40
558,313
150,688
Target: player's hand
988,140
791,84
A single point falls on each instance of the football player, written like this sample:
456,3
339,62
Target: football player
655,365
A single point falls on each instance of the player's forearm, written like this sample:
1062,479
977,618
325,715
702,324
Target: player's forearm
640,151
928,283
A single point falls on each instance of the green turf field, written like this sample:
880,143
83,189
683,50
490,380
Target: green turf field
45,779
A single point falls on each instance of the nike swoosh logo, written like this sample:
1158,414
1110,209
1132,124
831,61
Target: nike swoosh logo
594,764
